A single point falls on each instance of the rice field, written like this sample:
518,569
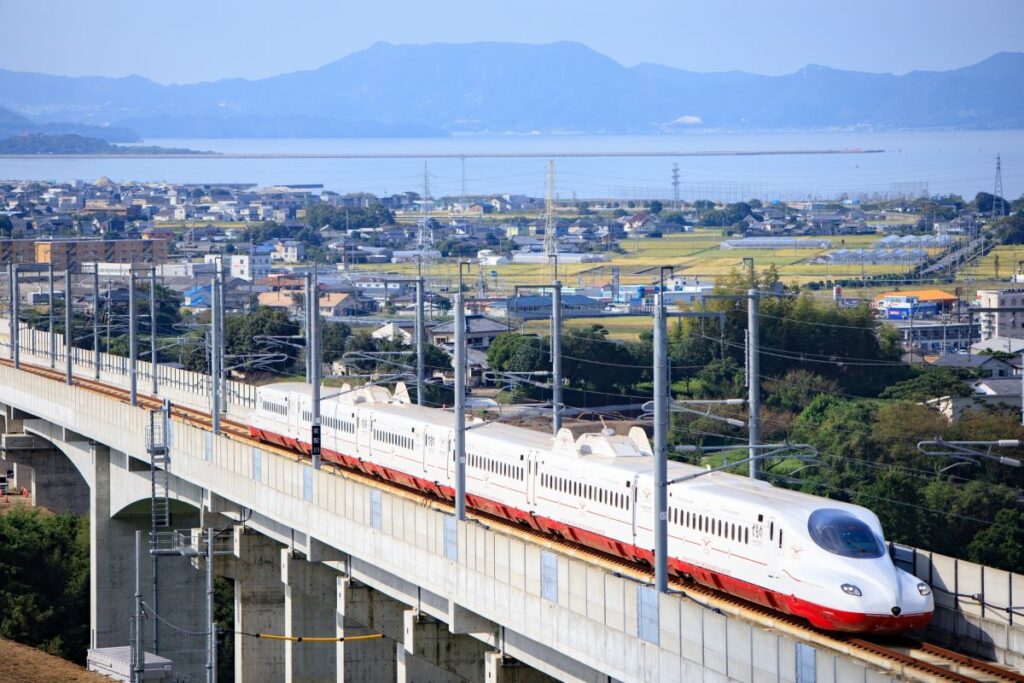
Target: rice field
694,254
624,327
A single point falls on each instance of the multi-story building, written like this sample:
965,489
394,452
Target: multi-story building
1008,323
73,253
17,251
252,267
289,251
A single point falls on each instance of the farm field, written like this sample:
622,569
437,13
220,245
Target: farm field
696,254
622,327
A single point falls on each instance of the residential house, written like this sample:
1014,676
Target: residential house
340,304
480,332
986,366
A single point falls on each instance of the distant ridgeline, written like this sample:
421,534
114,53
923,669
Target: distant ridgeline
71,143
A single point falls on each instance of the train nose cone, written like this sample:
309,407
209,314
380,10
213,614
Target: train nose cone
896,611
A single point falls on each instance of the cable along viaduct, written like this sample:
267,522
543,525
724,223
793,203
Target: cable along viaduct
331,553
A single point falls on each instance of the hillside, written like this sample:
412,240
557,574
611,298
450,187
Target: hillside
438,89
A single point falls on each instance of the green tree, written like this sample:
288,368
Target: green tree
655,207
928,383
44,581
795,390
332,340
6,227
1000,544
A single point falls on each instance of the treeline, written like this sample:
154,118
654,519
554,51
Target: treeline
44,581
830,378
341,218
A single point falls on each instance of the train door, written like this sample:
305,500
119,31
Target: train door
446,444
531,477
364,427
294,412
634,501
773,539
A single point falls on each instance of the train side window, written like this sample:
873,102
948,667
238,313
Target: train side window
771,531
780,537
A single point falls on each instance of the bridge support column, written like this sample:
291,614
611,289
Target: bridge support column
446,655
501,669
112,579
362,610
259,608
45,472
309,590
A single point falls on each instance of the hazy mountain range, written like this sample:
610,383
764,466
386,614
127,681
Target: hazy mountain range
440,89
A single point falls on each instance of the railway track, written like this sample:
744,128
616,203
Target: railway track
907,658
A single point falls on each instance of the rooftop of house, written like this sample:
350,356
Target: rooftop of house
960,360
474,323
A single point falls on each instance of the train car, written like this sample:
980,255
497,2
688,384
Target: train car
811,557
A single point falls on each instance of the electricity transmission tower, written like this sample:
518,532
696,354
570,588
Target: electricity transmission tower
422,238
550,222
675,187
997,194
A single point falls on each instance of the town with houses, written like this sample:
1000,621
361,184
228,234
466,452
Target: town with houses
182,234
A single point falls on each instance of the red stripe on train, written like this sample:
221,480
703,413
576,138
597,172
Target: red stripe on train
822,617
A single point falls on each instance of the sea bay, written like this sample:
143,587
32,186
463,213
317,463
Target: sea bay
912,162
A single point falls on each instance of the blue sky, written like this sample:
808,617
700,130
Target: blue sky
187,40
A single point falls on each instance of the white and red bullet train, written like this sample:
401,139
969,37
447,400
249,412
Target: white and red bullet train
815,558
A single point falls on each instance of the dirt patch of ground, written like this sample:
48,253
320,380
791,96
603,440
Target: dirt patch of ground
29,665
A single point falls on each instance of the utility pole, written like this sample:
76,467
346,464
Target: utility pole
152,333
460,403
754,376
661,412
315,356
556,356
211,646
69,332
53,334
138,650
132,326
95,319
308,310
420,333
15,314
215,351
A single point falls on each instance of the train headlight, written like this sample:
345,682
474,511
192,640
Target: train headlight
850,589
924,589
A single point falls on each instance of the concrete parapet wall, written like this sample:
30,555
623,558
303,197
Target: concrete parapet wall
180,386
973,604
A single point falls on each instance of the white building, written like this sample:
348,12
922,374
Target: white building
289,251
186,269
109,268
1002,323
250,267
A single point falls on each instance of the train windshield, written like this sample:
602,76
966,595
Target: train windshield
841,533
